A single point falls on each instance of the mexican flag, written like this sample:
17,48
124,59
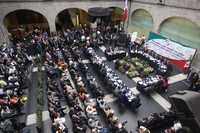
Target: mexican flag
125,13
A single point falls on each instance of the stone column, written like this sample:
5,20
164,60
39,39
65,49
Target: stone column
52,26
3,34
156,24
51,21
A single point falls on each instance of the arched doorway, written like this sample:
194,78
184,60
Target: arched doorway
116,16
141,22
182,30
70,18
21,21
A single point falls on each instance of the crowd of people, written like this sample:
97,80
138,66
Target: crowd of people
153,83
52,58
55,108
61,54
93,118
117,86
81,117
14,64
60,71
114,124
86,36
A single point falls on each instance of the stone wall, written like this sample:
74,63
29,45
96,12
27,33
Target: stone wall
160,13
3,35
190,4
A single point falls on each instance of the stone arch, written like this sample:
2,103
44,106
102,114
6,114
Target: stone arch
71,17
181,29
21,20
141,21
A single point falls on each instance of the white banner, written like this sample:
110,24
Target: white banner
170,49
134,36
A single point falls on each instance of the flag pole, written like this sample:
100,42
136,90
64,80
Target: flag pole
129,11
125,15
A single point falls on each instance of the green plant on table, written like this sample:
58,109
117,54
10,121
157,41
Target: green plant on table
132,68
126,58
121,69
133,74
139,67
148,70
133,60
